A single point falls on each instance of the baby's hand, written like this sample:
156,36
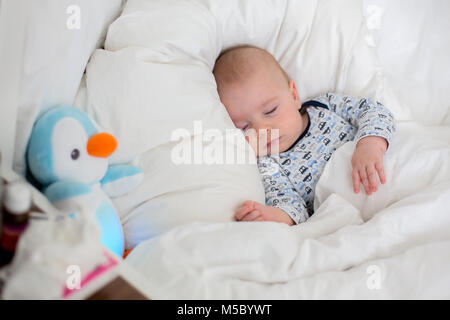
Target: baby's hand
367,161
254,211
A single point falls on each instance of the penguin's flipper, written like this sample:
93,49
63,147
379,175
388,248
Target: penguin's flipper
121,179
65,195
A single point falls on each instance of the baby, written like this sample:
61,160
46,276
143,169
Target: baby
258,94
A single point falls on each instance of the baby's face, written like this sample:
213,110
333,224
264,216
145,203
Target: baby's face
265,101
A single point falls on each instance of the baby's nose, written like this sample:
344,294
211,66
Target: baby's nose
264,127
266,130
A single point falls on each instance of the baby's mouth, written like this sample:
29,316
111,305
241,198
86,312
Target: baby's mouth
275,143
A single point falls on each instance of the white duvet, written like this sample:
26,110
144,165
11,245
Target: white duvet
154,76
394,244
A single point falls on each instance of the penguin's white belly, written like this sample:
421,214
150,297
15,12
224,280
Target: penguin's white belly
98,205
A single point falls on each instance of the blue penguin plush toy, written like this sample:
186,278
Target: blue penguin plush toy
69,158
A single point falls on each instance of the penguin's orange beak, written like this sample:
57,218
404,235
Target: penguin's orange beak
101,145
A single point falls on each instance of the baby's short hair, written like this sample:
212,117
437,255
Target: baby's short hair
237,63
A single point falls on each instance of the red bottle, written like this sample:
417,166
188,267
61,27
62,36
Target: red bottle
16,205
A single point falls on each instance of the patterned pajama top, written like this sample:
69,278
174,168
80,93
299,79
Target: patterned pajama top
289,178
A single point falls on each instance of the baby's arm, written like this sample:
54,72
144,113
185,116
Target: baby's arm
370,117
376,127
283,203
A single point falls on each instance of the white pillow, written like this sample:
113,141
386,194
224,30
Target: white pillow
412,42
60,36
154,77
321,44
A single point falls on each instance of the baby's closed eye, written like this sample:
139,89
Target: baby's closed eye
271,111
245,128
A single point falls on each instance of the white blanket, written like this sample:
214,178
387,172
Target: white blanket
394,244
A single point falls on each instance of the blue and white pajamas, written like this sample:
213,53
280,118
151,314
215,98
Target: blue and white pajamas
290,177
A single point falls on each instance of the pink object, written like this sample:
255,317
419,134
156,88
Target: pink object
109,264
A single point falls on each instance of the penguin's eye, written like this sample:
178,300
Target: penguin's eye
75,154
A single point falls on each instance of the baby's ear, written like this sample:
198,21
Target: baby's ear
294,92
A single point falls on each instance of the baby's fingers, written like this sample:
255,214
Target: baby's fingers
356,180
380,169
364,180
247,207
252,216
372,177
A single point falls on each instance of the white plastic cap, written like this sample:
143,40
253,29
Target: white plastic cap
17,197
